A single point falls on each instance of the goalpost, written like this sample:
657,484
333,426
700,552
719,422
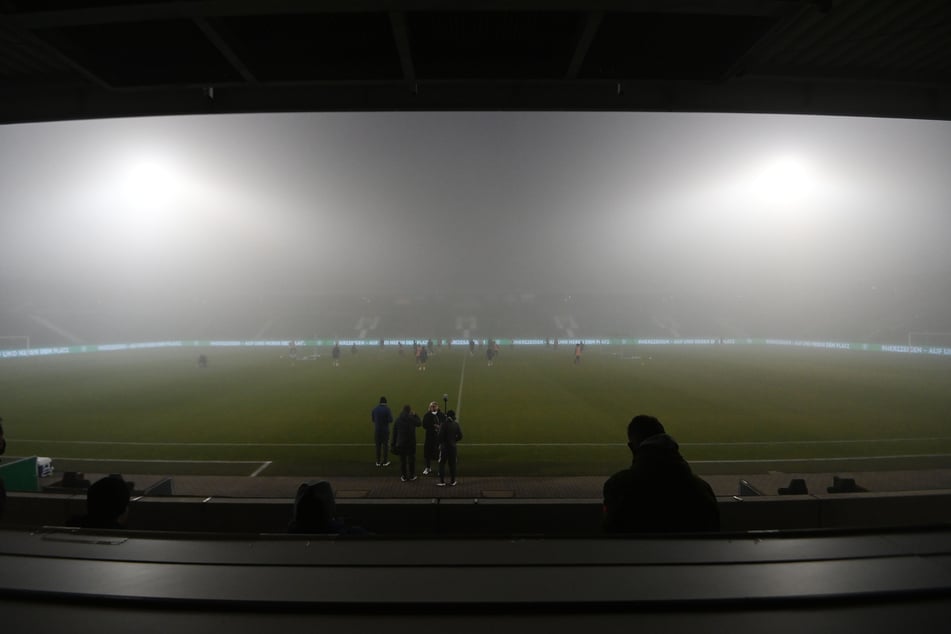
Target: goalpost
10,342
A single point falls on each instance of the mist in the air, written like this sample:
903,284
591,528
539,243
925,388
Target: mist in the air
633,224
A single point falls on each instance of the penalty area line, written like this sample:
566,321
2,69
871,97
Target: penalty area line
263,466
807,460
155,460
754,443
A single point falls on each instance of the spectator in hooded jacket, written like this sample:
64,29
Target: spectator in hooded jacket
659,493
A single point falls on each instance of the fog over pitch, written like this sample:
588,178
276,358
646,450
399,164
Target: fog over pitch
758,209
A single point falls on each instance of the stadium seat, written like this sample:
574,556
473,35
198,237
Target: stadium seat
845,485
797,486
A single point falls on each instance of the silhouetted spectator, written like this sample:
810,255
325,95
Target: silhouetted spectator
3,440
404,442
3,497
381,416
659,493
432,419
449,434
314,508
107,502
315,511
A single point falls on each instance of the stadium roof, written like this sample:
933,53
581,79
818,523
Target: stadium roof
72,59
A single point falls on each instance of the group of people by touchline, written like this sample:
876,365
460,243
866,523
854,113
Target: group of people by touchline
658,493
442,432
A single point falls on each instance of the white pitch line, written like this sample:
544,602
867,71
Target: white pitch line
776,443
66,458
844,459
193,444
462,378
268,463
769,443
756,443
260,469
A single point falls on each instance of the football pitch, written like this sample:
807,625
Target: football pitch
256,411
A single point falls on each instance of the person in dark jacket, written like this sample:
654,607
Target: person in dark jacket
449,434
381,416
404,442
659,493
432,419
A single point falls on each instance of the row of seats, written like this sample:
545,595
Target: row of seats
488,516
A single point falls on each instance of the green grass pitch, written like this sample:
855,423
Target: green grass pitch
734,409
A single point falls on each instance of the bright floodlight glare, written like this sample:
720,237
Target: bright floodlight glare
145,197
148,185
780,184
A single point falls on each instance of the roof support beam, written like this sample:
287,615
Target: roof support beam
225,49
401,36
591,24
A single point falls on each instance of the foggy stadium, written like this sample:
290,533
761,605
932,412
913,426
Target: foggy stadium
534,225
627,231
231,229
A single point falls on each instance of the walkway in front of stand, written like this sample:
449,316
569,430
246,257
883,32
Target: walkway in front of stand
578,487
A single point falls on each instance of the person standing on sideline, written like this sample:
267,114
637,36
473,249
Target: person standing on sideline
578,350
335,355
404,442
659,493
432,420
449,434
382,417
423,358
